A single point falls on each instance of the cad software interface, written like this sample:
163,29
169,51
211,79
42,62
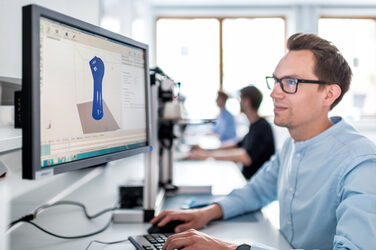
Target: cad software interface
92,93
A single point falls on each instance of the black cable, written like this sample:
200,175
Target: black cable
29,217
90,217
25,218
105,243
71,237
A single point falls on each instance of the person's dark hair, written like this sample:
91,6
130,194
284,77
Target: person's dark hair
253,94
330,65
222,95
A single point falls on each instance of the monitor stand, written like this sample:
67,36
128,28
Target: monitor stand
148,191
166,177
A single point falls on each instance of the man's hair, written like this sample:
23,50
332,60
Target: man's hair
253,94
222,95
330,65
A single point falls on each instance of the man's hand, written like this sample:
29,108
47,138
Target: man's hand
193,218
198,154
192,240
196,146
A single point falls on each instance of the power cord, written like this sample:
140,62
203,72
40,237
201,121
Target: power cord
105,243
74,203
29,217
70,237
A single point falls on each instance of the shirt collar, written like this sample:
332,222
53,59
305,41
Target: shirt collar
338,123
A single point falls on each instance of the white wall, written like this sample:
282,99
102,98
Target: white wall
11,66
131,18
11,27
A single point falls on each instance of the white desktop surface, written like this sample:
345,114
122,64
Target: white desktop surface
223,176
10,138
249,228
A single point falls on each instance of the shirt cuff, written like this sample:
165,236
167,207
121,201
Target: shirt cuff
228,208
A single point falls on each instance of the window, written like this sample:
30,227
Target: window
208,54
356,39
188,51
252,48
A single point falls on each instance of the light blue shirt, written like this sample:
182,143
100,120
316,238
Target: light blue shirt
225,126
326,188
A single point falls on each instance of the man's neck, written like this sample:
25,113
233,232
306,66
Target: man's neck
310,130
252,116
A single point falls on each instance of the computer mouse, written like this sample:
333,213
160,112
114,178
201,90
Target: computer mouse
168,228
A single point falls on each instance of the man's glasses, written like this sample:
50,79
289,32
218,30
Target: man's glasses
289,85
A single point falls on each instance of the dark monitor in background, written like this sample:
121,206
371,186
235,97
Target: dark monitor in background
85,94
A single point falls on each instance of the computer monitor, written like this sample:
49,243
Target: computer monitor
85,94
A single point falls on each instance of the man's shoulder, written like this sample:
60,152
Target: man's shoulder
226,113
352,141
262,123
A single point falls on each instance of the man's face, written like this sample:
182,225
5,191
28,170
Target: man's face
305,106
220,102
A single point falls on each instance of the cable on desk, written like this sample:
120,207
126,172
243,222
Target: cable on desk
90,217
71,237
105,243
29,217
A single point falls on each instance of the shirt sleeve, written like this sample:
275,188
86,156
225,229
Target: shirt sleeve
356,213
259,191
215,128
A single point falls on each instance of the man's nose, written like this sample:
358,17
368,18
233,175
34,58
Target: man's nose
277,91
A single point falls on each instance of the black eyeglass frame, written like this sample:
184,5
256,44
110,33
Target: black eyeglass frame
279,80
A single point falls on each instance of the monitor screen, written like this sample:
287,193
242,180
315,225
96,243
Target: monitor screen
85,94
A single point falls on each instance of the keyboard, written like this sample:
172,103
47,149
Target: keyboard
149,241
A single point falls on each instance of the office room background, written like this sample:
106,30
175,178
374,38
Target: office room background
207,45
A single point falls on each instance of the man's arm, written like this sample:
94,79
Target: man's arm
226,153
234,154
356,213
259,191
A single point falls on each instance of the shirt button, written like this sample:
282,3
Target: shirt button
289,222
298,155
291,189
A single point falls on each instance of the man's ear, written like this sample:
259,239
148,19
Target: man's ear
333,91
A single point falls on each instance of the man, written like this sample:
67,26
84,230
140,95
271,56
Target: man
225,125
324,176
255,148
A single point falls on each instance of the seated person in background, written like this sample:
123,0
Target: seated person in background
225,125
324,175
255,148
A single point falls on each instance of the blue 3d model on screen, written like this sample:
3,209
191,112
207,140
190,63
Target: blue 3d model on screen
97,69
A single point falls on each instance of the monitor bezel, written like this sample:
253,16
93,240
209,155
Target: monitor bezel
31,141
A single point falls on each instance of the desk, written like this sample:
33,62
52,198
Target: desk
70,220
10,138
